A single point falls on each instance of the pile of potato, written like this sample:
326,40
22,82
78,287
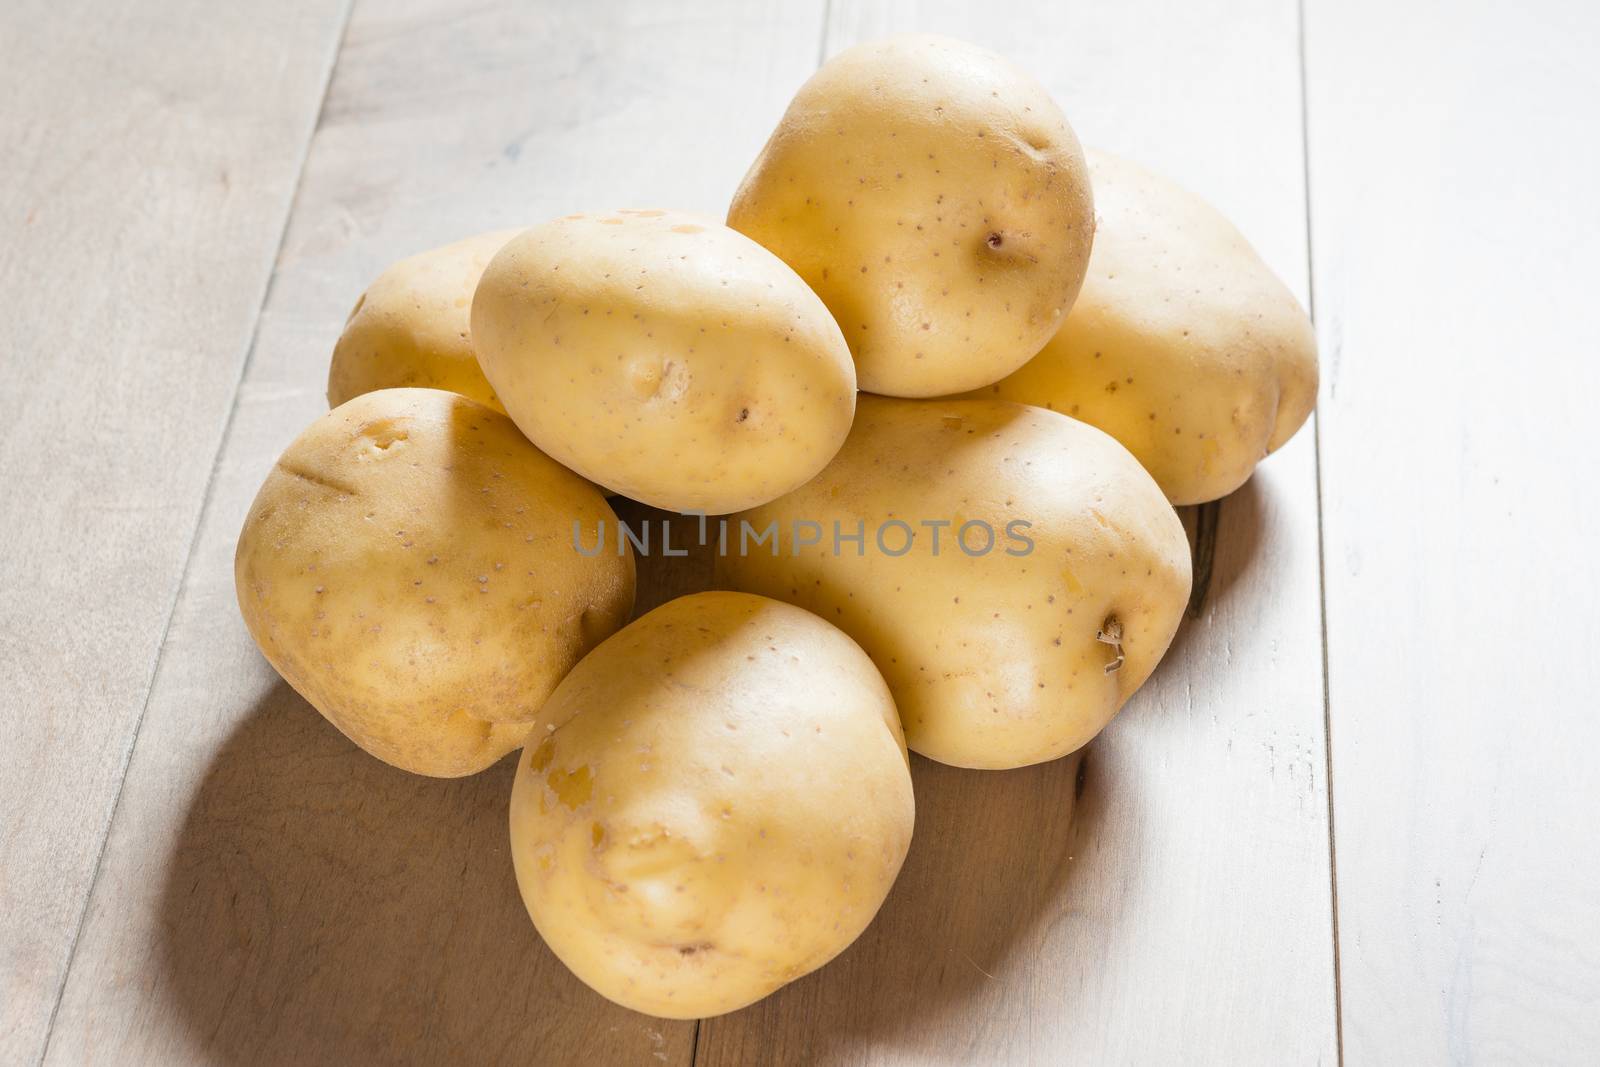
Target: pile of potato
975,557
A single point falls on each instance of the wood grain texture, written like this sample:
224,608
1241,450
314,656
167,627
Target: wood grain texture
270,894
1453,169
1180,909
149,162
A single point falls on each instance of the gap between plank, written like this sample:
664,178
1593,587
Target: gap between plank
1322,557
194,532
827,21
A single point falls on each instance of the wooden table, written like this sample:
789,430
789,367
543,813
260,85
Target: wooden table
1353,817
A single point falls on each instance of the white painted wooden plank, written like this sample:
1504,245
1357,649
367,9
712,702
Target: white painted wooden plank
269,893
1453,169
1182,913
149,158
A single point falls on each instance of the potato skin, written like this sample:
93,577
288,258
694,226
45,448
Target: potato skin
936,199
412,326
665,357
408,567
993,658
1183,344
718,805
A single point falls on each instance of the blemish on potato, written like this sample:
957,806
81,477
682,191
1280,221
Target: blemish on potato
572,788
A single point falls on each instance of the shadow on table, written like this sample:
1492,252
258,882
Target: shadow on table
322,907
663,577
1225,542
1236,527
936,977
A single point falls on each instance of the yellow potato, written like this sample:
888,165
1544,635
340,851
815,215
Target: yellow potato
1002,648
1183,344
409,566
411,326
664,357
717,804
936,199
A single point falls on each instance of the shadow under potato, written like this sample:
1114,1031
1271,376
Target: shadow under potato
322,907
990,872
1225,541
1224,538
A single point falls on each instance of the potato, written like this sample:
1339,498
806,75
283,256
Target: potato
1183,345
937,200
664,357
717,804
410,567
410,328
1012,633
